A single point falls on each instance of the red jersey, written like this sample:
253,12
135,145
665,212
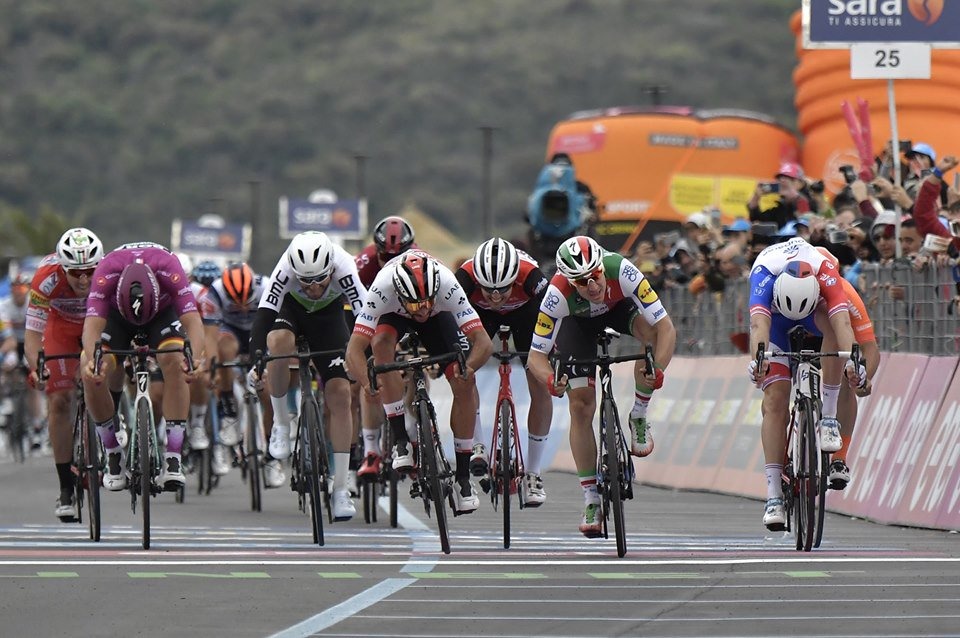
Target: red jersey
368,265
51,295
530,284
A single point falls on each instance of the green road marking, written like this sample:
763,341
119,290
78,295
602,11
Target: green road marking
807,574
338,574
478,575
43,575
645,576
196,575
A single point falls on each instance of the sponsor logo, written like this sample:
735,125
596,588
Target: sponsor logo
630,272
544,327
551,302
47,285
659,313
540,286
645,293
338,361
463,313
828,280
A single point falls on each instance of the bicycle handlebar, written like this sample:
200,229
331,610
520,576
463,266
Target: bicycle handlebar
138,351
42,359
416,363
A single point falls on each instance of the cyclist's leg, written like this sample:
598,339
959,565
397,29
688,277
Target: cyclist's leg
776,414
164,331
663,338
229,342
281,340
384,347
61,337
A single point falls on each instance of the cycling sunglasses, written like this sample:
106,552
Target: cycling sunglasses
502,290
80,272
309,281
415,306
586,279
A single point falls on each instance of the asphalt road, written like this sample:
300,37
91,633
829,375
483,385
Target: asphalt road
697,565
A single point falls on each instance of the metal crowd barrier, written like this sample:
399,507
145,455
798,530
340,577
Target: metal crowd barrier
912,311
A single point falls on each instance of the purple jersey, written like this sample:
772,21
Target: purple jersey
174,283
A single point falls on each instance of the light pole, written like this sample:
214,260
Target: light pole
485,186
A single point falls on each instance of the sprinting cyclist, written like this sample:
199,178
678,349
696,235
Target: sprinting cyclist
594,290
304,298
141,288
55,312
506,286
13,312
232,303
392,236
415,293
793,284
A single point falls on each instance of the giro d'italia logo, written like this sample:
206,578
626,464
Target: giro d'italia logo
926,11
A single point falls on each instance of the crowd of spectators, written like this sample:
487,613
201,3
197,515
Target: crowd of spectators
858,224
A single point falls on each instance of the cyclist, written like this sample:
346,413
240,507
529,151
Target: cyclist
506,286
199,392
55,315
415,293
141,288
793,284
232,303
392,236
847,404
13,312
596,289
304,298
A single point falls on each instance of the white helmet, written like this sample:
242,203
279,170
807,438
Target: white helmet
796,291
579,257
496,263
186,262
311,255
79,248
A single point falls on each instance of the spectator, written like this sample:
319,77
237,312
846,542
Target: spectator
925,209
789,202
738,233
910,239
882,235
922,158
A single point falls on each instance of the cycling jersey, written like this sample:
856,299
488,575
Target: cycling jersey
530,284
173,282
623,282
219,308
14,316
772,261
52,295
382,299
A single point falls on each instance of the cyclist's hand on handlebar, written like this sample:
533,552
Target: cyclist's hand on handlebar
856,374
254,381
865,390
35,381
87,368
557,387
654,381
757,374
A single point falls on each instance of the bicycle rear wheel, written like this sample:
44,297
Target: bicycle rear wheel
612,488
90,475
310,464
805,469
505,425
430,466
144,432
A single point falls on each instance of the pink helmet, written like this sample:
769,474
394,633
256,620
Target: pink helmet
138,293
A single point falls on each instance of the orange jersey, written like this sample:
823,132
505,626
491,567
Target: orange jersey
859,319
52,295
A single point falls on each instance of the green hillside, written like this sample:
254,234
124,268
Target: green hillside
123,114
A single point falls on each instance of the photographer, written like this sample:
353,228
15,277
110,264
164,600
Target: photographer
927,203
790,200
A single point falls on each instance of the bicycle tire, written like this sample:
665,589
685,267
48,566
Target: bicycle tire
392,476
203,470
311,466
144,427
613,483
505,425
823,478
430,466
91,474
252,449
17,426
804,470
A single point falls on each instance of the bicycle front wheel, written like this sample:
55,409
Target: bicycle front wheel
144,432
310,464
252,448
91,474
505,425
430,466
613,484
823,478
805,470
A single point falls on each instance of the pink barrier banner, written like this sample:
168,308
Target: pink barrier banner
887,437
931,498
667,415
739,465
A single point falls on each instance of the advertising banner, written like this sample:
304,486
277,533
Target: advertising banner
346,218
836,24
222,242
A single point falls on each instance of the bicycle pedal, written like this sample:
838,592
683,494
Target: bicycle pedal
485,484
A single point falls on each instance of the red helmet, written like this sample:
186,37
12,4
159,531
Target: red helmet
138,293
416,278
393,235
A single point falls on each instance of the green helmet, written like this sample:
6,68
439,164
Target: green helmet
579,257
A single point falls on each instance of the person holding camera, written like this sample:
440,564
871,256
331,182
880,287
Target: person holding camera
926,207
790,201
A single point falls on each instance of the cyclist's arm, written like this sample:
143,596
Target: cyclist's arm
759,331
193,330
356,358
871,353
539,366
92,329
32,343
666,341
481,347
